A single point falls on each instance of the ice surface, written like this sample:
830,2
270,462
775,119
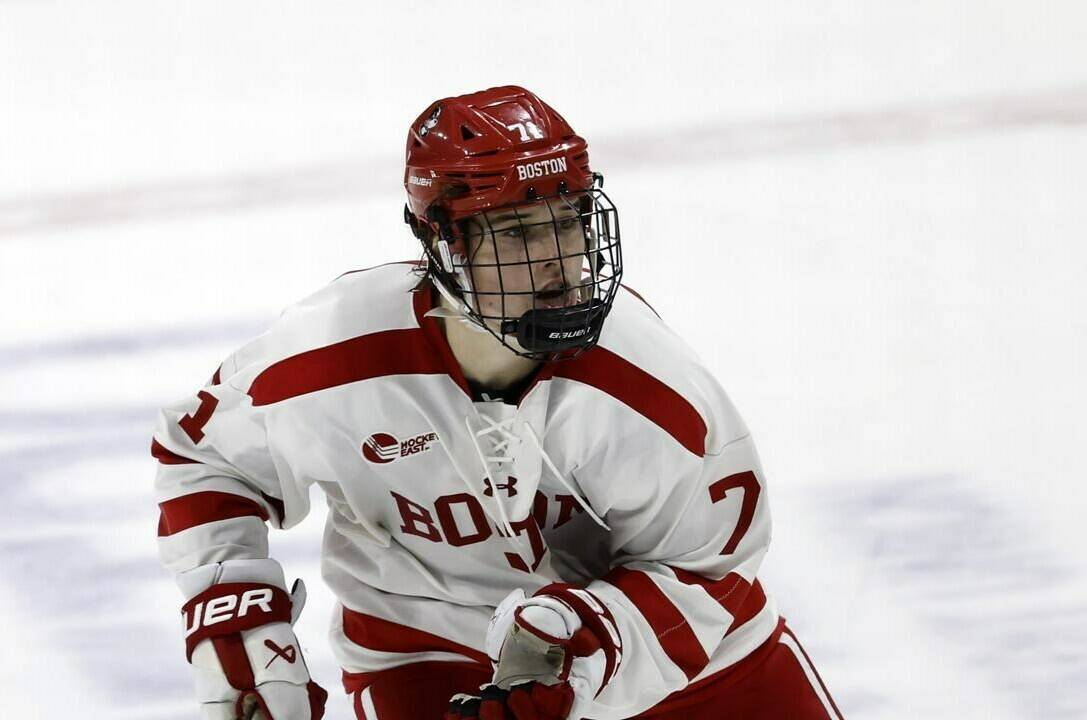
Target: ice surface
868,218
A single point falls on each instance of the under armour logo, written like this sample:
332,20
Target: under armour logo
508,487
289,653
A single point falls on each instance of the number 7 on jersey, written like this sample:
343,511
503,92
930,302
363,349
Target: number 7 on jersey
747,482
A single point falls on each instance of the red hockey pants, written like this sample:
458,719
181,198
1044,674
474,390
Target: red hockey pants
776,682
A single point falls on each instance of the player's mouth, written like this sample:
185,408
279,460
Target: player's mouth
555,294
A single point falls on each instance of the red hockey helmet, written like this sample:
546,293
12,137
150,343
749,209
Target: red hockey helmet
545,279
488,149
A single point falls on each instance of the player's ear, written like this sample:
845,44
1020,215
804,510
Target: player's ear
470,233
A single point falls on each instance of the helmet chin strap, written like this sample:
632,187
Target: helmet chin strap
454,264
461,310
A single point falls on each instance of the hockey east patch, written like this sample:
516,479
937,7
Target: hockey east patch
381,448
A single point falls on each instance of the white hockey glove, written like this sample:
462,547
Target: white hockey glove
239,640
553,652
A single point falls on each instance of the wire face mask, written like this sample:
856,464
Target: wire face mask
540,276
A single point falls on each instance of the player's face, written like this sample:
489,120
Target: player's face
529,257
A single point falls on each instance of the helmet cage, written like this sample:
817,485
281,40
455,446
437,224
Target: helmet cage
561,322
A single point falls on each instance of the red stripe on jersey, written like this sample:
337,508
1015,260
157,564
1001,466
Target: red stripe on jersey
740,599
390,352
388,636
716,690
634,387
198,508
216,377
166,457
672,629
638,295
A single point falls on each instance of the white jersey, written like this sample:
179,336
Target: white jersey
626,471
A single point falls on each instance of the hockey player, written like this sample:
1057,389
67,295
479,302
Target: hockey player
540,504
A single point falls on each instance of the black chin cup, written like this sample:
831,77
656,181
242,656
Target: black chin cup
555,330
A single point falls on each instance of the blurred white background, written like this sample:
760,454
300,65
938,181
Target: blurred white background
868,217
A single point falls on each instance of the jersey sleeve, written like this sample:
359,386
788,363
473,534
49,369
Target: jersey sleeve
689,530
217,482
